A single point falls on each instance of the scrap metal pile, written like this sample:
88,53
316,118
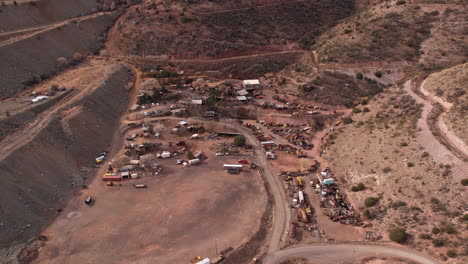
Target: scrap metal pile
338,209
294,134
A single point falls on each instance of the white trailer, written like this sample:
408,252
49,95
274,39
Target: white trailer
193,161
204,261
165,154
301,197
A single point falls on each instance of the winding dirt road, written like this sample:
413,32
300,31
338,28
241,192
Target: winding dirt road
348,253
431,144
319,253
454,141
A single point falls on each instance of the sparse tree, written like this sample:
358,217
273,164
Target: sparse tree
239,140
398,235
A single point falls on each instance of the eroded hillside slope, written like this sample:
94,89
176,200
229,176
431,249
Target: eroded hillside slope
41,176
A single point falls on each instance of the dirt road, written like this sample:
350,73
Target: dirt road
23,136
282,215
42,29
325,254
431,144
448,135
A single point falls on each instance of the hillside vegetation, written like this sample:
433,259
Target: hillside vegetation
387,31
224,27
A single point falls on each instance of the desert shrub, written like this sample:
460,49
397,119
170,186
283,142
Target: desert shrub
347,120
387,169
190,155
464,182
450,229
451,253
398,235
425,236
186,19
435,230
371,201
410,164
465,217
357,110
401,2
425,154
397,204
239,140
358,187
378,74
359,75
364,102
367,214
77,57
438,242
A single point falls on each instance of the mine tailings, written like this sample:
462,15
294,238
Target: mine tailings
39,178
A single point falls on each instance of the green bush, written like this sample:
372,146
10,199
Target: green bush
451,253
347,120
378,74
425,236
450,230
401,2
190,155
398,235
357,110
239,140
359,76
464,182
367,214
465,217
358,187
387,169
410,164
371,201
435,230
438,242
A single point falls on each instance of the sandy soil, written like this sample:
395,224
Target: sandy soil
182,214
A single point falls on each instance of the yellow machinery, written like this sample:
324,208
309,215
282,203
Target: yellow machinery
299,182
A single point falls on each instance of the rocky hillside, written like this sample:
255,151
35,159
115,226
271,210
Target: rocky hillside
224,28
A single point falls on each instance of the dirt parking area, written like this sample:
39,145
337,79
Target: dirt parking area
184,212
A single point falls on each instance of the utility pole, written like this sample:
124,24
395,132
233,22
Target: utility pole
216,246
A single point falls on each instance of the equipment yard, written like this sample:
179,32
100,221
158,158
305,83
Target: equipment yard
184,211
233,132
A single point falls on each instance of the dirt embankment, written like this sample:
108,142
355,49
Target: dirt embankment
12,123
38,55
43,12
40,177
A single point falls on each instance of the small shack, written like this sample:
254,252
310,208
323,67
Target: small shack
251,84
